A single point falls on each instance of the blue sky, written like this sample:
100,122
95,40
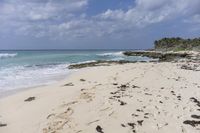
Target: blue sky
95,24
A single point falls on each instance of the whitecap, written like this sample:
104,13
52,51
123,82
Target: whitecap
112,54
7,55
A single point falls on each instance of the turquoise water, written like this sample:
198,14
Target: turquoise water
24,69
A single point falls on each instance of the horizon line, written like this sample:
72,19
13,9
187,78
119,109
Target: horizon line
63,49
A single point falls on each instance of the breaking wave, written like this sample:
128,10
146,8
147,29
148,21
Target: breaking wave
7,55
111,54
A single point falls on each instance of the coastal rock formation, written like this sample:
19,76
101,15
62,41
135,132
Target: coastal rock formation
162,56
170,49
98,63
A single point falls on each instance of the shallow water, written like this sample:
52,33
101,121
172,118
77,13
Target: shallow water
23,69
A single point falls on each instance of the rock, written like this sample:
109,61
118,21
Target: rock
122,103
191,66
162,56
139,110
3,125
195,116
140,122
135,115
148,94
179,98
98,63
115,83
29,99
132,125
192,123
150,54
135,86
195,101
99,129
83,80
123,125
123,86
69,84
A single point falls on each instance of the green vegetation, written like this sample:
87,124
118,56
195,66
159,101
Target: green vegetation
177,44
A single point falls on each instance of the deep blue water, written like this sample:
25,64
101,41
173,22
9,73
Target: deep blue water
23,69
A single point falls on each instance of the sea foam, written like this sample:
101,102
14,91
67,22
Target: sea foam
111,54
7,55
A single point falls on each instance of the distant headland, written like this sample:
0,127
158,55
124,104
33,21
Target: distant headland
177,44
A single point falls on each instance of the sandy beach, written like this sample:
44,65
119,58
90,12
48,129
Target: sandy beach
128,98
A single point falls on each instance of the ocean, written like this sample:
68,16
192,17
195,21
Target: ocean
26,69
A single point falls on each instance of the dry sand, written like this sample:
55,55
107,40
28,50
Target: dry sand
139,97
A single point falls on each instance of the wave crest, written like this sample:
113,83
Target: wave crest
112,54
7,55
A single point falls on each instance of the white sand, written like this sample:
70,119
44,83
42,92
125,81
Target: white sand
80,108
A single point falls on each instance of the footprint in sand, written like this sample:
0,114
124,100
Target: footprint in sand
161,125
87,96
58,121
68,104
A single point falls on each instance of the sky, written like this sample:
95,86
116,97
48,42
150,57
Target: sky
95,24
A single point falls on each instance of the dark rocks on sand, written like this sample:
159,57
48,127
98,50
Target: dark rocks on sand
83,80
3,125
116,96
162,56
193,67
135,115
195,101
135,86
122,103
115,83
192,123
99,129
195,116
148,94
123,125
69,84
132,125
140,122
173,93
98,63
139,110
186,67
123,86
179,98
29,99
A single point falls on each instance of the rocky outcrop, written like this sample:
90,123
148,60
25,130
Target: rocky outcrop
162,56
98,63
150,54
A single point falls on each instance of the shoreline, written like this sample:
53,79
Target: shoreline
19,90
142,97
72,68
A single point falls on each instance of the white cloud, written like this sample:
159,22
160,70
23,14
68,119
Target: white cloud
153,11
66,18
35,10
